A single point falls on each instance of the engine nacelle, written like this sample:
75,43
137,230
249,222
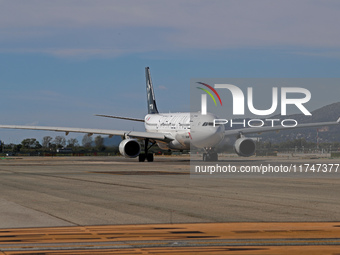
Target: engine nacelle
245,147
129,148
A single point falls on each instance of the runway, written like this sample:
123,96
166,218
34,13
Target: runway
41,197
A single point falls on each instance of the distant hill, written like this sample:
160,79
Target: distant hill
327,113
113,141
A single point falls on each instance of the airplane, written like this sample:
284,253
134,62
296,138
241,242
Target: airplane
175,131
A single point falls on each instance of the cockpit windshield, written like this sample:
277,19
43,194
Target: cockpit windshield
211,124
207,124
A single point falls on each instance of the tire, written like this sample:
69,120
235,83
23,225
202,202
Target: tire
141,157
149,157
214,156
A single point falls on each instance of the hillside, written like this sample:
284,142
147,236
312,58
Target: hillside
327,113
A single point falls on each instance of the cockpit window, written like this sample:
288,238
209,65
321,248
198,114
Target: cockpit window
211,124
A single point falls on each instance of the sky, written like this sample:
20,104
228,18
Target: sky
63,61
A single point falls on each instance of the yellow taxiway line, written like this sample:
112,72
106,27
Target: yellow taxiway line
200,238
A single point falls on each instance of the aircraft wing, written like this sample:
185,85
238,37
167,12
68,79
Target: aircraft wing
259,130
132,134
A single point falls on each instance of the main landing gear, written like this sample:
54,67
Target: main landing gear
210,155
146,155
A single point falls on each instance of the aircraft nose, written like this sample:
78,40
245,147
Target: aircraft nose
207,136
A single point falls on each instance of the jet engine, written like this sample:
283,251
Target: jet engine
245,147
129,148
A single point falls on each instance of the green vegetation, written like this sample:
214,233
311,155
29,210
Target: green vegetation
335,154
298,145
59,146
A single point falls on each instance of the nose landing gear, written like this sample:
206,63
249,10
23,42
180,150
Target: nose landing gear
210,155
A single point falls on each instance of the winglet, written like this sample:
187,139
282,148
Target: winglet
338,120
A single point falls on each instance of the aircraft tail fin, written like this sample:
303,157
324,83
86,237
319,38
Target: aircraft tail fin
152,107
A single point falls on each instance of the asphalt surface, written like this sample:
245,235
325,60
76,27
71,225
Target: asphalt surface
71,191
112,205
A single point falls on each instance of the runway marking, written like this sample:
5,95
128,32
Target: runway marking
195,250
202,238
140,172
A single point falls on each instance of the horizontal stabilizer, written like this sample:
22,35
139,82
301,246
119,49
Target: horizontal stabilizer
118,117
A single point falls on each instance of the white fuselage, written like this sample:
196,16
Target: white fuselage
186,129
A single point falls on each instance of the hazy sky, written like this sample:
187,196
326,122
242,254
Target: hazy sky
63,61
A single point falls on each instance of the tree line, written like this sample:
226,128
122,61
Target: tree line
89,144
52,145
300,144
